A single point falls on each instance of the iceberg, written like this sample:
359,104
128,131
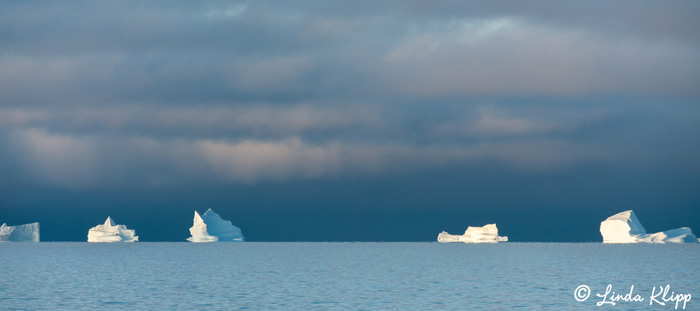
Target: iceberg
679,235
111,232
21,233
624,227
210,227
485,234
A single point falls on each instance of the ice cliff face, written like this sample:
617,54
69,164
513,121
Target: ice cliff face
21,233
485,234
210,227
624,227
111,232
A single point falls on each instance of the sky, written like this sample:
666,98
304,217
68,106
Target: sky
338,121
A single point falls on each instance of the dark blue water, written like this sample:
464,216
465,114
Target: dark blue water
346,276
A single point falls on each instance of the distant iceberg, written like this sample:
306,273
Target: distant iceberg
21,233
111,232
624,227
485,234
210,227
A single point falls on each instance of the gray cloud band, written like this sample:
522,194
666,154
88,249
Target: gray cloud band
179,91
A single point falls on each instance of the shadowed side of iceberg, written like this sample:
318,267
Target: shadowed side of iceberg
20,233
678,235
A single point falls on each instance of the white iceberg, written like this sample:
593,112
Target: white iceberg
111,232
485,234
21,233
624,227
210,227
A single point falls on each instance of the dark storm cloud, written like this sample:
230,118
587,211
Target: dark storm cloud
155,93
221,51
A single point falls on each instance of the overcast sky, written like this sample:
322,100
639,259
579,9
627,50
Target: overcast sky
329,120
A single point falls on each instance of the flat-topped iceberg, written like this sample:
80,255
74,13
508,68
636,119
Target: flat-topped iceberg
20,233
111,232
624,227
210,227
485,234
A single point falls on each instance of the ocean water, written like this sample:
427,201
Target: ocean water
342,276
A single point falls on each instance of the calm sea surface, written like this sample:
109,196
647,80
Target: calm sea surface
346,276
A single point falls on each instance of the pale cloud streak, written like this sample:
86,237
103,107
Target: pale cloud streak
262,119
99,160
255,160
516,56
58,159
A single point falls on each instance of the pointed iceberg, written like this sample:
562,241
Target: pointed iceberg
485,234
21,233
624,227
210,227
111,232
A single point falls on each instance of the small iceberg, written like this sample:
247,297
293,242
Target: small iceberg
210,227
485,234
20,233
624,227
111,232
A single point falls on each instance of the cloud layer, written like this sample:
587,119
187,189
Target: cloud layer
161,93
